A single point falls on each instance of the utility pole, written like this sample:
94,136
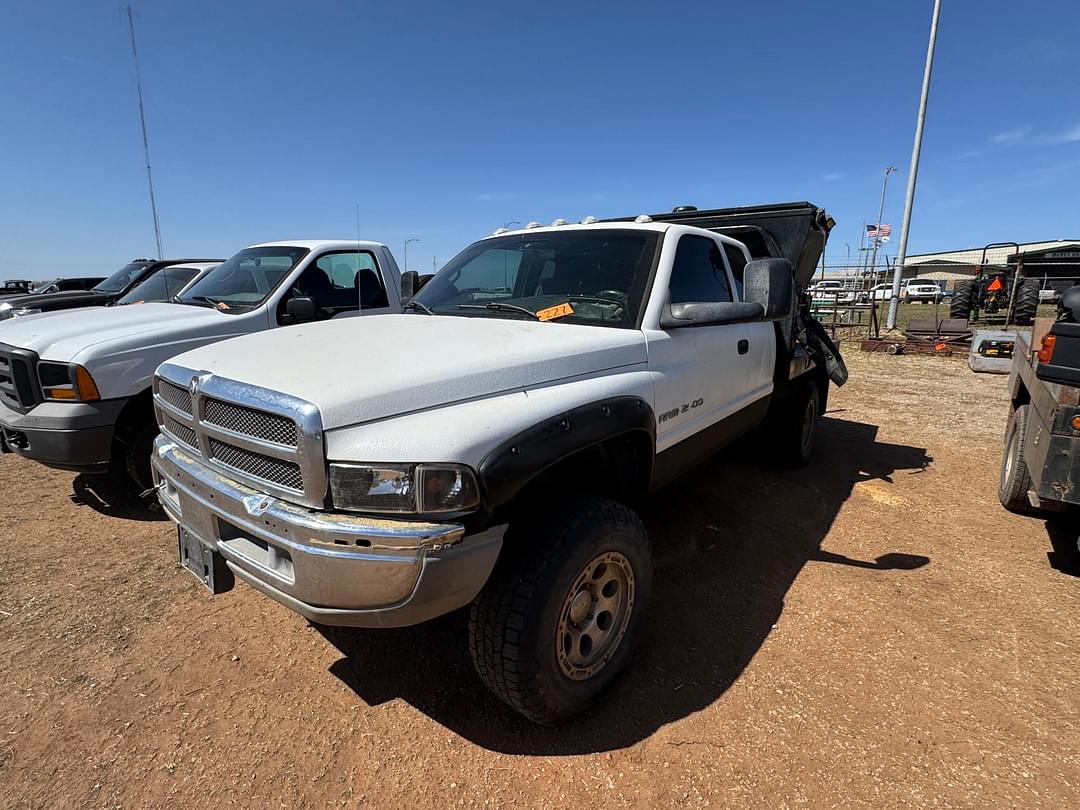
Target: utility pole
145,139
880,214
916,149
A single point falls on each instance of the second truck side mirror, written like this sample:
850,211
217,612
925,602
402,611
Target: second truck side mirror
770,283
301,309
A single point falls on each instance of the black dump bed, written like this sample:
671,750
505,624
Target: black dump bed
796,231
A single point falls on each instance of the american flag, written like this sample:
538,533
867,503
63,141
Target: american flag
878,231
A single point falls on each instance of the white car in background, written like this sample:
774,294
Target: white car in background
831,291
927,292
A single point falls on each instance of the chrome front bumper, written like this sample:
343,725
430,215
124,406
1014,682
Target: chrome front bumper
330,567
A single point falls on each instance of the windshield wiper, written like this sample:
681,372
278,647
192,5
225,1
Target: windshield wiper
204,300
420,306
593,299
501,307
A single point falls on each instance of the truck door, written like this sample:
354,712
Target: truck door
704,376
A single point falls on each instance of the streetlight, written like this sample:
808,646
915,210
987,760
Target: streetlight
880,213
405,255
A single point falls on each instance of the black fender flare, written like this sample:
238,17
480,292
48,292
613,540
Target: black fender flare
518,460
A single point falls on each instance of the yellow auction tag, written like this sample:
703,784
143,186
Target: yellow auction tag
558,311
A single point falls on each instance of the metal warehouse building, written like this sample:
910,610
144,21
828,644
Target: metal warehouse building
1056,263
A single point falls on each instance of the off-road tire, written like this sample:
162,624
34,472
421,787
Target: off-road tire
963,300
514,622
1014,480
1026,304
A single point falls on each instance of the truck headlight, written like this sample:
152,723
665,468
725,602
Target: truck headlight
403,488
67,382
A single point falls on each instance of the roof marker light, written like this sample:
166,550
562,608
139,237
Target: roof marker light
589,221
499,231
559,222
534,224
643,218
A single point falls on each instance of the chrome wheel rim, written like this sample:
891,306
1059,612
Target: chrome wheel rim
594,616
1010,454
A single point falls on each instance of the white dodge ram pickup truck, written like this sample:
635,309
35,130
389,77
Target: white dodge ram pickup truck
75,385
541,383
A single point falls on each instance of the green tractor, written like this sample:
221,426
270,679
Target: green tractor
998,291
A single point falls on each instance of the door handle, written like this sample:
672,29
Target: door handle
744,346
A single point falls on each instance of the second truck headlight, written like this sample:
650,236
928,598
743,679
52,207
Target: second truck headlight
403,488
66,382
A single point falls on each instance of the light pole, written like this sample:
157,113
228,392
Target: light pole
880,214
916,149
405,255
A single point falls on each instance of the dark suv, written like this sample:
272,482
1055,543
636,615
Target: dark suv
103,293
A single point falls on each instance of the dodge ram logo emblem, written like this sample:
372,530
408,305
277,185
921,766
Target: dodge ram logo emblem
194,387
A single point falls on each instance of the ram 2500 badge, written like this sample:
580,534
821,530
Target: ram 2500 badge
490,452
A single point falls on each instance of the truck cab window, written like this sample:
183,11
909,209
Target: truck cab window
737,263
341,281
698,273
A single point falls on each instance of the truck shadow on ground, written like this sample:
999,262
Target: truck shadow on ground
1064,555
728,540
99,493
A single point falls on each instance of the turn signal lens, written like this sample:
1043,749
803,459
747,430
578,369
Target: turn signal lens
1046,351
1075,422
85,385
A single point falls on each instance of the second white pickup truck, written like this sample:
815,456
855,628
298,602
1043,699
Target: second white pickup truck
75,385
543,382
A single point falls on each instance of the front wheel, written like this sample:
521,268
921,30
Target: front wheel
563,610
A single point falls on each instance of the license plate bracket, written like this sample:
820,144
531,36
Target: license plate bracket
204,562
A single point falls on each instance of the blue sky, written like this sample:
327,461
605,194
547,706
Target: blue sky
274,120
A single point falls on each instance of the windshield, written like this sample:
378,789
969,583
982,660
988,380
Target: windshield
245,280
121,278
591,276
160,286
45,286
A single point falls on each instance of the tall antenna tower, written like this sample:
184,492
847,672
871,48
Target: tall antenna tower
145,140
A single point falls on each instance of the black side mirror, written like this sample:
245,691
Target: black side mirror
771,284
410,285
301,309
709,313
423,280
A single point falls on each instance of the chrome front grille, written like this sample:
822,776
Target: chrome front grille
179,398
250,422
269,440
179,431
283,473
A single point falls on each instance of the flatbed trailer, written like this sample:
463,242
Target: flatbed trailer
1040,466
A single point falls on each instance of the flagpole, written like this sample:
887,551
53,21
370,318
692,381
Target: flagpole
913,171
880,213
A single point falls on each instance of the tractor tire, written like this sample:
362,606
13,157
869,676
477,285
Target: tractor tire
1026,304
1014,481
963,300
561,613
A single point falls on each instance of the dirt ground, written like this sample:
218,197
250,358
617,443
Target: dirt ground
873,629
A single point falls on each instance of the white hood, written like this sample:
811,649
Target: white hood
80,335
361,369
